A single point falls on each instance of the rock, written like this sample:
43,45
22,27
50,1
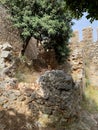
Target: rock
33,96
17,93
47,110
57,79
28,94
28,100
39,101
5,93
88,119
6,47
12,96
33,107
6,71
43,121
12,83
6,54
2,126
9,92
3,100
5,105
79,126
2,85
1,46
1,114
22,98
2,63
52,100
57,97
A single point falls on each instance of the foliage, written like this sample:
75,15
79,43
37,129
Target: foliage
48,21
80,6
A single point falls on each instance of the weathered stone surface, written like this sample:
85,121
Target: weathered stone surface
12,96
2,63
5,54
21,98
3,100
12,83
1,46
6,47
59,96
2,126
7,69
88,119
1,114
32,49
56,79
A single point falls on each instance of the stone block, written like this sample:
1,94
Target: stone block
6,47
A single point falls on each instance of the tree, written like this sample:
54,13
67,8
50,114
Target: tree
78,7
48,21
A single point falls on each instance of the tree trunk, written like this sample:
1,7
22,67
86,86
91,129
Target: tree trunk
25,45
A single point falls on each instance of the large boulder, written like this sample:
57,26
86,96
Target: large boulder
56,100
56,79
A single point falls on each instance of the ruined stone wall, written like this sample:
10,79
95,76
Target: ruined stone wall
89,47
89,53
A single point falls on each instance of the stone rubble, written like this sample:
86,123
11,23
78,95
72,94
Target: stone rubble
53,101
43,106
7,62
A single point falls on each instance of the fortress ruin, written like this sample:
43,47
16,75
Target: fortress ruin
89,53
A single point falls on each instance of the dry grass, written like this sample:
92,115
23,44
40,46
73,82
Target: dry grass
91,92
90,102
26,74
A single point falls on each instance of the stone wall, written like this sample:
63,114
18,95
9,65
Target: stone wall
87,34
89,53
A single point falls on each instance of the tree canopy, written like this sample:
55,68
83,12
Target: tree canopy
47,21
78,7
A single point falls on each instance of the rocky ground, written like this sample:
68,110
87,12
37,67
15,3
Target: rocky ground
32,105
18,111
19,107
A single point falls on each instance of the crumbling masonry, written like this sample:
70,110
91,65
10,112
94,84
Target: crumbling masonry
88,50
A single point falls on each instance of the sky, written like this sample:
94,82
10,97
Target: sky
83,23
